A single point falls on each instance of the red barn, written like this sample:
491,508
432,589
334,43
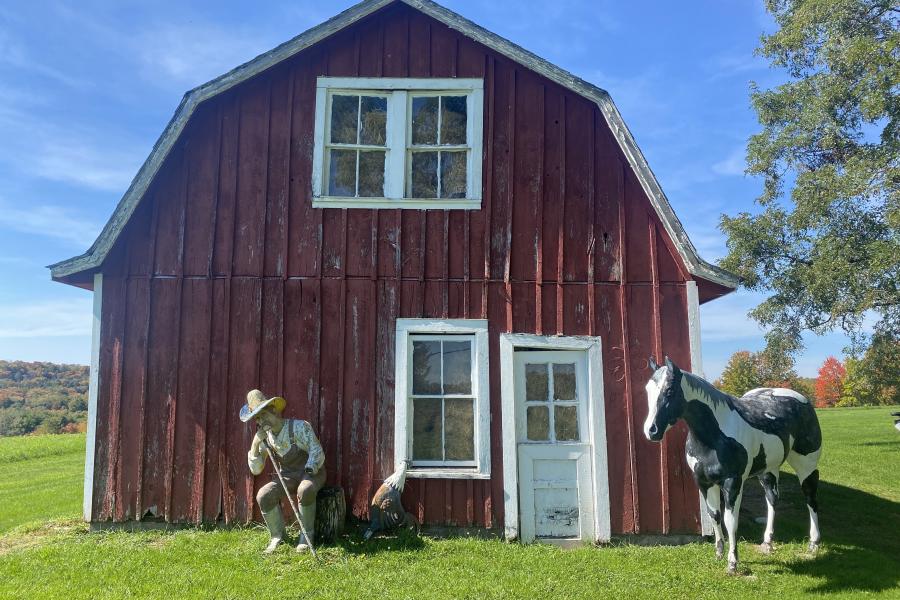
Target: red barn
437,246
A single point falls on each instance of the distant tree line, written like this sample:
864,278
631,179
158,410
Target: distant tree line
40,397
870,379
749,370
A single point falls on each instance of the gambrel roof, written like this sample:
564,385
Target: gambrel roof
93,258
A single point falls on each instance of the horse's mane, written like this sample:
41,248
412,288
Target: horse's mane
706,389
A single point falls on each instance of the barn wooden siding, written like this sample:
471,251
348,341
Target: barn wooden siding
226,279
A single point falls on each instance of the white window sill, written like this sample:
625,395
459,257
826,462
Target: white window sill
409,203
429,473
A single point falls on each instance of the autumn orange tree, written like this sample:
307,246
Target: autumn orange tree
830,382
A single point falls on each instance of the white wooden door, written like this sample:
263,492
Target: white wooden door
556,487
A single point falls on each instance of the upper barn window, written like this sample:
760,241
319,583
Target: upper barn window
397,143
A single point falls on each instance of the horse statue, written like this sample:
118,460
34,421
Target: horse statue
731,439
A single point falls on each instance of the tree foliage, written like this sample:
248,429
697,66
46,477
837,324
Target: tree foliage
829,383
874,378
825,242
42,397
748,370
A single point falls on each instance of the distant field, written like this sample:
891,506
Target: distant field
860,519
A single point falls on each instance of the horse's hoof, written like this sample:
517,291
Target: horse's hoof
765,548
720,551
813,547
732,569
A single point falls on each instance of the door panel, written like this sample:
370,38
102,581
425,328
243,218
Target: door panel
555,478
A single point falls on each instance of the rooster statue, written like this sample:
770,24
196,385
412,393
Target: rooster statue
386,511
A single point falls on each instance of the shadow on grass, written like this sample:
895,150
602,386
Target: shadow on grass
352,542
860,548
893,444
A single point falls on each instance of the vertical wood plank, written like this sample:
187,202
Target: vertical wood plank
388,308
189,446
243,376
227,195
275,254
170,200
578,187
134,377
657,351
618,428
161,392
252,180
684,514
302,332
203,165
304,221
109,402
528,124
358,376
217,384
330,350
626,352
560,245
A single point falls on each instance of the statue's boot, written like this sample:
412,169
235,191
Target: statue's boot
275,523
308,519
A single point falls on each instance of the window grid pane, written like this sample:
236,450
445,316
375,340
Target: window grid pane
357,128
551,397
443,421
439,174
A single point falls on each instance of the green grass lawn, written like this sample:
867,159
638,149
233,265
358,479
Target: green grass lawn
860,556
41,477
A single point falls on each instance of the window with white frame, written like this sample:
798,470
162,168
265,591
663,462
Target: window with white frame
398,143
441,403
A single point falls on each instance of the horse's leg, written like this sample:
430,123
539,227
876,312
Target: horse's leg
713,498
732,489
769,482
808,474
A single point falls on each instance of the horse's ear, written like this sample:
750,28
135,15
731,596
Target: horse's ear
670,364
653,365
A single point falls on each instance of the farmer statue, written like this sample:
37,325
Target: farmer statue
293,445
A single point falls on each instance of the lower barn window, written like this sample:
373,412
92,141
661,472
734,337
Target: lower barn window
442,404
442,419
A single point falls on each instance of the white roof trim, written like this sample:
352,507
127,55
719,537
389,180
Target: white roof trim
94,257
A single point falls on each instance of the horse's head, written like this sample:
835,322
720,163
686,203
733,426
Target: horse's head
665,399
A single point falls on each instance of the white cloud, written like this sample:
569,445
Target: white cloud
49,221
189,55
729,65
726,319
66,153
733,164
13,55
49,318
637,95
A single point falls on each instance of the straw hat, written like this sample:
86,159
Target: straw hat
256,401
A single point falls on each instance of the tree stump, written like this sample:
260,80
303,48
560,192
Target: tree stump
331,513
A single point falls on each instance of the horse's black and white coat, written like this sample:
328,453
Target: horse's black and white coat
731,439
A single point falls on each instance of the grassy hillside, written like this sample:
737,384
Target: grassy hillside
860,519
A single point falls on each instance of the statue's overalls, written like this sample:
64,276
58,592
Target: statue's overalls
299,482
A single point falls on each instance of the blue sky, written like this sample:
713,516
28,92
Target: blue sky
86,88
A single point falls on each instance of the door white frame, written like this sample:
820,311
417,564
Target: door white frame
509,343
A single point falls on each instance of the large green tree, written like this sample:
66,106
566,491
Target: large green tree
748,370
824,243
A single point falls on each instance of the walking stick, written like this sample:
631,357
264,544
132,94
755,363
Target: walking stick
291,501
